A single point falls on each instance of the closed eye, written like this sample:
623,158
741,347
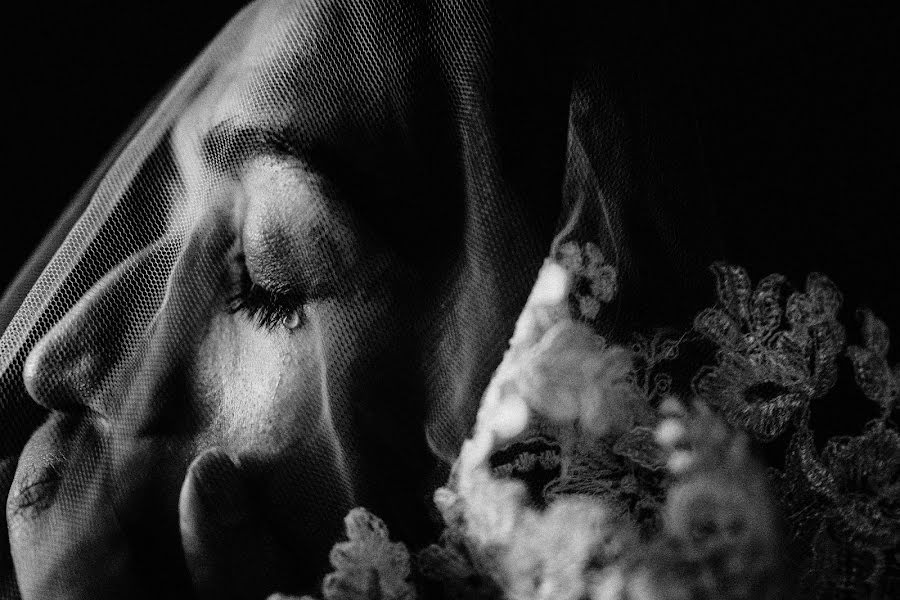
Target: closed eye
229,146
266,307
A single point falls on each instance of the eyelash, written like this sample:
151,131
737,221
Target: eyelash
269,309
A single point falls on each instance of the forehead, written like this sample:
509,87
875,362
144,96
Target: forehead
344,82
321,68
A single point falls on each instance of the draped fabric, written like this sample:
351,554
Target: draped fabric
310,255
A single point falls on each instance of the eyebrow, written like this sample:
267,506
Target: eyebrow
232,143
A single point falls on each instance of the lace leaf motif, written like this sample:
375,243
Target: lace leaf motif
874,377
842,505
843,508
768,373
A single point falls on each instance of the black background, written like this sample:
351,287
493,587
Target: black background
81,72
797,111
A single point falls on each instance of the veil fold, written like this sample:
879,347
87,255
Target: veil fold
469,139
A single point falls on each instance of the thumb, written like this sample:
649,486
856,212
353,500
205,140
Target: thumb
230,551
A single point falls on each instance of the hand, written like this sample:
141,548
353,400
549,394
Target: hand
73,523
72,500
8,587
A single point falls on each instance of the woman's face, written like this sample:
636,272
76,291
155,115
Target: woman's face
272,319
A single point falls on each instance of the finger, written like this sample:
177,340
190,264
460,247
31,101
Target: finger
230,551
65,538
8,587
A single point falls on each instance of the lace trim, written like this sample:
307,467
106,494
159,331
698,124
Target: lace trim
648,497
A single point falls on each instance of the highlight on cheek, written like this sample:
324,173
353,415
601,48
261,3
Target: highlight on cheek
261,388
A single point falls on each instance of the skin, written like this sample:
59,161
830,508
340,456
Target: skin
213,458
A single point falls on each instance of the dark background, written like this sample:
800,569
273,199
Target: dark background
796,111
81,72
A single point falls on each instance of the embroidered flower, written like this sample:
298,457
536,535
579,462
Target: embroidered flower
854,484
844,505
640,447
866,474
596,281
766,372
571,376
368,565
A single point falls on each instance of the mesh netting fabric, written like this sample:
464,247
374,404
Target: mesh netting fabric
389,139
311,253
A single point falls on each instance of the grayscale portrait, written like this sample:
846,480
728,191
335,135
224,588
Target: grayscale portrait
395,300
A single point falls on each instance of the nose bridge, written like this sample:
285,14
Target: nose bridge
122,340
80,358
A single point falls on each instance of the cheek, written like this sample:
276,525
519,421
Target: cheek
292,396
288,404
257,390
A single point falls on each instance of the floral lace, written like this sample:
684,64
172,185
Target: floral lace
368,565
587,477
766,373
841,505
595,280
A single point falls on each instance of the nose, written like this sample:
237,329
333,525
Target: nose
122,345
78,363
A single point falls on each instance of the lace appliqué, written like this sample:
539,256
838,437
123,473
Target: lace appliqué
843,510
586,477
650,354
595,281
368,566
772,361
620,496
874,377
841,505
